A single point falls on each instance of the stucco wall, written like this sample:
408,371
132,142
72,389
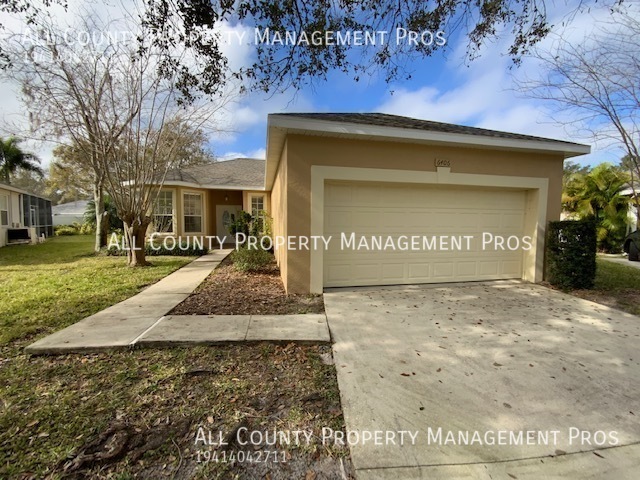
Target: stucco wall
303,151
248,194
14,217
279,211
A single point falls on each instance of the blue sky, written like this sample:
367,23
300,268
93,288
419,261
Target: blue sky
443,87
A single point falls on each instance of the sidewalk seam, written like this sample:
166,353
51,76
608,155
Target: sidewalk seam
246,334
137,339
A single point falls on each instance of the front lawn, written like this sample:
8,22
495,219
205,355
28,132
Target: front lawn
138,413
616,286
46,287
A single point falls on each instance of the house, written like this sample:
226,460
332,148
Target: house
24,217
374,175
69,213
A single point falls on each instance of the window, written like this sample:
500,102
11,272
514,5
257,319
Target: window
4,210
192,213
257,205
163,212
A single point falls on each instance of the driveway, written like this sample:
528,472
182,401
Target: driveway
551,380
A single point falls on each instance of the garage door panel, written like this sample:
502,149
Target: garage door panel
374,209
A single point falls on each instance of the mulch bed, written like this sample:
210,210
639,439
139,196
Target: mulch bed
229,292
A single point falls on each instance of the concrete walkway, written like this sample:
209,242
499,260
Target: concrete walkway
141,320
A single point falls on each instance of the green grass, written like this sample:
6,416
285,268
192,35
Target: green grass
46,287
616,286
612,277
52,409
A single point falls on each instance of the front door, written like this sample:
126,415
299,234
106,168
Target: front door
225,214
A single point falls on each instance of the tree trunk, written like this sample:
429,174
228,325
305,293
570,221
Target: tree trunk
104,229
134,235
101,234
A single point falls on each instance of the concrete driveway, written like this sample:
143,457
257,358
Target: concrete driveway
443,371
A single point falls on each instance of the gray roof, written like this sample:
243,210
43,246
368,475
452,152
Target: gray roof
8,186
77,207
386,120
239,172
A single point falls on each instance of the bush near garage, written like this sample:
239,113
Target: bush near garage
571,254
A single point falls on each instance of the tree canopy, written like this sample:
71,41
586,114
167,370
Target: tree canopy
13,158
193,25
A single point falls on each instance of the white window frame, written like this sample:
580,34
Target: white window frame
256,196
184,212
173,212
6,209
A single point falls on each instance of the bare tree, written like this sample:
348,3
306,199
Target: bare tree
65,88
595,82
107,98
149,145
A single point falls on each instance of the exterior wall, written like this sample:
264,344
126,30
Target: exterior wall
292,186
178,208
248,194
14,217
210,199
279,212
18,217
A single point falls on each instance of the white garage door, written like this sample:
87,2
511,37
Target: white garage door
378,212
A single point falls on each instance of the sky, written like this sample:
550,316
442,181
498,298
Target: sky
444,87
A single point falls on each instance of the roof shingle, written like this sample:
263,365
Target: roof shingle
387,120
239,172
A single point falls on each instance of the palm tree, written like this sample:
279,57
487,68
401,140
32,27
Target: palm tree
12,158
598,194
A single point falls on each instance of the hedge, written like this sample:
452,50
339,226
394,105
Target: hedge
571,254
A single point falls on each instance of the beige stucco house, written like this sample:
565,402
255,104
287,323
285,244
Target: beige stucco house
375,174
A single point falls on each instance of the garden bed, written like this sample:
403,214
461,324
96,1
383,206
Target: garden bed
230,292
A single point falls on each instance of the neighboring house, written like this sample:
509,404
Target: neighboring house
69,213
23,216
376,174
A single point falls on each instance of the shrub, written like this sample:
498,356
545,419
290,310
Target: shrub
66,230
87,229
241,223
571,254
251,259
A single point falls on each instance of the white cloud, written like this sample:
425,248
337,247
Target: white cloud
259,153
484,93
